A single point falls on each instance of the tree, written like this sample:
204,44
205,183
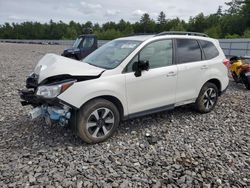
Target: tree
161,22
162,18
247,33
245,12
198,23
234,6
233,23
219,11
148,25
176,25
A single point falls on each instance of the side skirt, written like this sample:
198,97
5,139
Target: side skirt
151,111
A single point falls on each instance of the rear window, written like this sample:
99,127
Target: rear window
209,49
188,50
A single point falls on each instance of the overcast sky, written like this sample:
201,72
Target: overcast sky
101,10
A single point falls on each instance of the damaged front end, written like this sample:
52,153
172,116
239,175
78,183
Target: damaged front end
52,76
44,99
52,114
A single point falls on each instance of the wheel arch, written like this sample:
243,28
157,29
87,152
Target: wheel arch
216,82
112,99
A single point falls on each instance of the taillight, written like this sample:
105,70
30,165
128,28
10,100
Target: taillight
226,62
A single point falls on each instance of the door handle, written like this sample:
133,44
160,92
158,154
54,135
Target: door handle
171,74
204,67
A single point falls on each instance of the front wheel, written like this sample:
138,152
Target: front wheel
207,98
97,121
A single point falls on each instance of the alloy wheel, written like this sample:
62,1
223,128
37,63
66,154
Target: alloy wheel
209,98
100,122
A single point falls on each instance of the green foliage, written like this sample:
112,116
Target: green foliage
198,23
232,22
232,36
234,6
247,33
162,18
214,32
109,34
147,24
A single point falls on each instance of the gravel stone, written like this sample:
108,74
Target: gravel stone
178,148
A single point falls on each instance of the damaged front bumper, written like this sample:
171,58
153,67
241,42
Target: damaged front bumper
52,110
52,114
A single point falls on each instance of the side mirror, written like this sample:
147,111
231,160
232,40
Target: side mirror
140,66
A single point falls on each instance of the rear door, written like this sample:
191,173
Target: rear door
191,68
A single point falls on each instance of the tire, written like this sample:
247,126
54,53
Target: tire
247,82
207,98
247,86
235,77
97,121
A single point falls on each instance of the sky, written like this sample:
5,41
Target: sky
101,11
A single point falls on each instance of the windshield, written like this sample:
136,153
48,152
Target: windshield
77,42
111,54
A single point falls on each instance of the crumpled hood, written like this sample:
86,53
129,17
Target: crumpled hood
53,65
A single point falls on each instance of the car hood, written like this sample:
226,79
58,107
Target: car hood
54,65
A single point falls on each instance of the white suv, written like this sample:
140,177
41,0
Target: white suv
126,78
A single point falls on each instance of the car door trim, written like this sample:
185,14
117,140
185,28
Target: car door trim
150,111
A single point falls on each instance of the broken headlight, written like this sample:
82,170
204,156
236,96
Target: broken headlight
52,91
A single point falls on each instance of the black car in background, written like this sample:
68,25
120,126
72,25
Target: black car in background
83,46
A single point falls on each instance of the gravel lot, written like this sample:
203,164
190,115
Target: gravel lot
180,148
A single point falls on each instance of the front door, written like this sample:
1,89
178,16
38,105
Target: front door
87,46
156,87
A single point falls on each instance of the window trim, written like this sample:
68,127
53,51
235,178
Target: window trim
176,54
202,52
124,71
205,58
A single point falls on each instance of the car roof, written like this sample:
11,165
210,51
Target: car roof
143,38
137,37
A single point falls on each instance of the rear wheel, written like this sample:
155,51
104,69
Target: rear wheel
207,98
97,121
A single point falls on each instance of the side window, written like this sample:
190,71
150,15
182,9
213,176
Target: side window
88,42
159,54
209,49
188,50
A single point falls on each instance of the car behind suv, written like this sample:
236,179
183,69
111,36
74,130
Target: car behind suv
127,78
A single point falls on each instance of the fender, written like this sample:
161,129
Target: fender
84,91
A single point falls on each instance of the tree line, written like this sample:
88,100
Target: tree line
233,22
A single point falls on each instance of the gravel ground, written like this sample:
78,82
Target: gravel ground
180,148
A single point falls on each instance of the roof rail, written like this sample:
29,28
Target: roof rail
139,34
181,33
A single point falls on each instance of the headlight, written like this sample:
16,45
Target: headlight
52,91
